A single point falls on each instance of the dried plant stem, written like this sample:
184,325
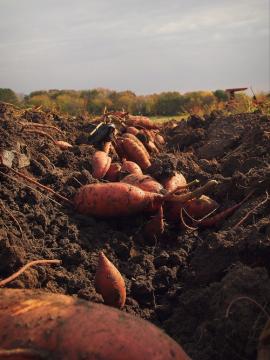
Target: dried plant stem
25,267
40,132
30,124
251,211
245,298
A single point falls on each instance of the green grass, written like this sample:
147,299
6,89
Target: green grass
162,119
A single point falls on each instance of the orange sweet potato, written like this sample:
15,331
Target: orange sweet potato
198,208
100,164
110,283
132,130
144,182
63,145
138,142
142,121
136,153
131,167
113,199
54,326
174,181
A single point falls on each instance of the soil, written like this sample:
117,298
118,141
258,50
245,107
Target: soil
183,282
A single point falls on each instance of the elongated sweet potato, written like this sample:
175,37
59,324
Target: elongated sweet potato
131,167
174,181
142,121
132,130
100,164
61,327
136,153
113,199
144,182
138,142
110,283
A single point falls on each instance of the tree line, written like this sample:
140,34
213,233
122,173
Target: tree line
94,101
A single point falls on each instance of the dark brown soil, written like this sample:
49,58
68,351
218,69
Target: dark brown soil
184,282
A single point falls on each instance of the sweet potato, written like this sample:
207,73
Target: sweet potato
107,147
136,153
132,130
151,147
142,121
174,181
131,167
113,172
121,199
173,209
144,182
138,142
63,145
110,283
100,164
159,139
113,199
198,208
54,326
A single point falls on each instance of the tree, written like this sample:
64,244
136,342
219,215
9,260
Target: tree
8,95
221,95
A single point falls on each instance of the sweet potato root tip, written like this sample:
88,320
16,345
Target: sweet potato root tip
107,147
68,328
110,283
216,219
100,164
63,145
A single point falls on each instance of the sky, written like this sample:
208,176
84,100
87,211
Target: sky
146,46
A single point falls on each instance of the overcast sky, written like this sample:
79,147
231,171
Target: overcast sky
143,45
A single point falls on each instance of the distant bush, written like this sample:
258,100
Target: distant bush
8,95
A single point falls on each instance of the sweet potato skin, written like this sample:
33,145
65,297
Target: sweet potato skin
100,164
142,121
144,182
110,283
72,329
113,199
136,153
132,130
131,167
198,208
174,181
113,172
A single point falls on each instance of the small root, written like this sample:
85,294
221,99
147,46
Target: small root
184,223
19,352
239,298
25,267
30,124
251,211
